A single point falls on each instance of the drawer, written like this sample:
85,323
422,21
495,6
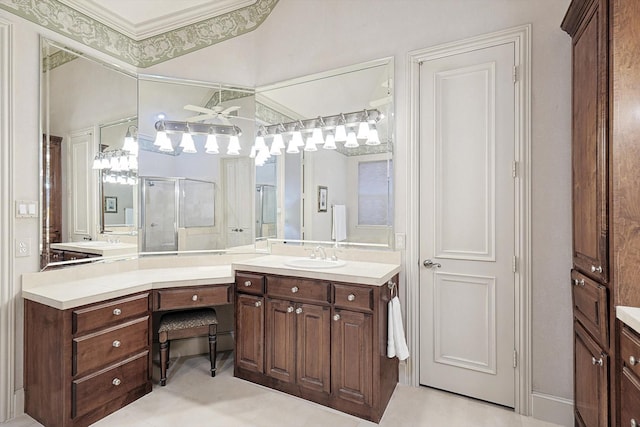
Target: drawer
201,296
94,351
353,297
298,289
250,283
94,391
630,397
590,306
630,350
109,313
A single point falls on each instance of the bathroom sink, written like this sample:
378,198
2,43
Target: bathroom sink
92,243
314,263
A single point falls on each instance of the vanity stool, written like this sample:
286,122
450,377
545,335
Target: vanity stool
187,324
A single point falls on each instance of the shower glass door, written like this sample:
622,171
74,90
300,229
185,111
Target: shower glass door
159,215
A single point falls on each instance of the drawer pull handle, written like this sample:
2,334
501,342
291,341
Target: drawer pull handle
289,309
634,423
336,317
117,312
597,269
351,297
194,298
247,283
294,289
581,282
116,382
633,361
116,343
598,362
258,303
299,310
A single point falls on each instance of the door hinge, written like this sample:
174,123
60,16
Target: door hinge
514,264
515,358
514,169
515,73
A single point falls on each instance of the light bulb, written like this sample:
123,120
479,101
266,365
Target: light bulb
341,133
187,143
310,145
317,136
211,146
373,138
363,130
352,141
234,146
330,143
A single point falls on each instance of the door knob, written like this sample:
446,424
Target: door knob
430,264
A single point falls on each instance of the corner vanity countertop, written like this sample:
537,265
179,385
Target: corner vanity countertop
630,316
98,247
367,273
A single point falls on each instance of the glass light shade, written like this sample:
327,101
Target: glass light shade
363,130
129,143
161,136
115,164
296,138
187,143
111,179
260,142
97,163
105,163
341,133
330,142
122,179
317,136
252,153
292,148
352,141
310,145
373,138
131,180
133,163
165,144
262,156
211,146
234,146
124,163
277,145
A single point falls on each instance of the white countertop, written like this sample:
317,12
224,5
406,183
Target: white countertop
630,316
98,247
59,290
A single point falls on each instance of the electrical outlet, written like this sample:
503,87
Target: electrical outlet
23,247
401,240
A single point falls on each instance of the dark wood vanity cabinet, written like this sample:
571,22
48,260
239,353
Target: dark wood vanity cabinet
323,341
84,363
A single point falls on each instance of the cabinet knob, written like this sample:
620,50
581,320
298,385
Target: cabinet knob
595,361
116,382
575,282
294,289
632,361
634,423
116,343
299,310
194,298
289,309
117,312
597,269
258,303
247,283
351,297
336,317
581,282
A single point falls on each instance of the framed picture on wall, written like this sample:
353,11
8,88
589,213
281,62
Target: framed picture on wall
110,204
322,198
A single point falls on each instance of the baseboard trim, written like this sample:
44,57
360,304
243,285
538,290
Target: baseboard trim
553,409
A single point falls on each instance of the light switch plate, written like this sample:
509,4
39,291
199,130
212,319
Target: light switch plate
401,240
26,209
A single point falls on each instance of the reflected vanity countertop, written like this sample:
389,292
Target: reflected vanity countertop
98,247
630,316
368,273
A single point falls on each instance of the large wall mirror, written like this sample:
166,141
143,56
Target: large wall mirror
87,108
332,175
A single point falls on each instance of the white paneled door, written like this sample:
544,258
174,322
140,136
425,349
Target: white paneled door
467,221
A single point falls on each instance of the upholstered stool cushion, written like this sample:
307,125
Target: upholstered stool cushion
187,320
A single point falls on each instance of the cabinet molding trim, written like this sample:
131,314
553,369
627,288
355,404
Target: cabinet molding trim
7,298
552,409
521,37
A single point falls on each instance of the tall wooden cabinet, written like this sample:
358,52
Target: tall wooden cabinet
606,203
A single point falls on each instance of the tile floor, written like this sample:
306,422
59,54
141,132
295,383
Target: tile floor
192,399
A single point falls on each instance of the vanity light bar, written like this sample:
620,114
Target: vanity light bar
353,119
193,128
188,129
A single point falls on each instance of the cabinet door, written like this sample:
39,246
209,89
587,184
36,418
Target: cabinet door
280,340
591,371
590,230
351,356
250,333
313,347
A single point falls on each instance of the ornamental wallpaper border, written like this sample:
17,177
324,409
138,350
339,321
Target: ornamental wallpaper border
69,22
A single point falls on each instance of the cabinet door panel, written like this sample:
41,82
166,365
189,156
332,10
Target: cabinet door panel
280,340
351,354
630,397
591,380
250,333
313,348
590,306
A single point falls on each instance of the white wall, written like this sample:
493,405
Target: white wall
307,36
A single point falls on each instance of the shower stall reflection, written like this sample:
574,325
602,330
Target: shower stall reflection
266,211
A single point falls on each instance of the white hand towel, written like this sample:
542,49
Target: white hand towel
398,331
339,228
391,345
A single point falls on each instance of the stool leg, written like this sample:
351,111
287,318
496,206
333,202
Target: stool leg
213,341
164,357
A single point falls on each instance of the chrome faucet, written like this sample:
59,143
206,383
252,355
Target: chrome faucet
321,250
